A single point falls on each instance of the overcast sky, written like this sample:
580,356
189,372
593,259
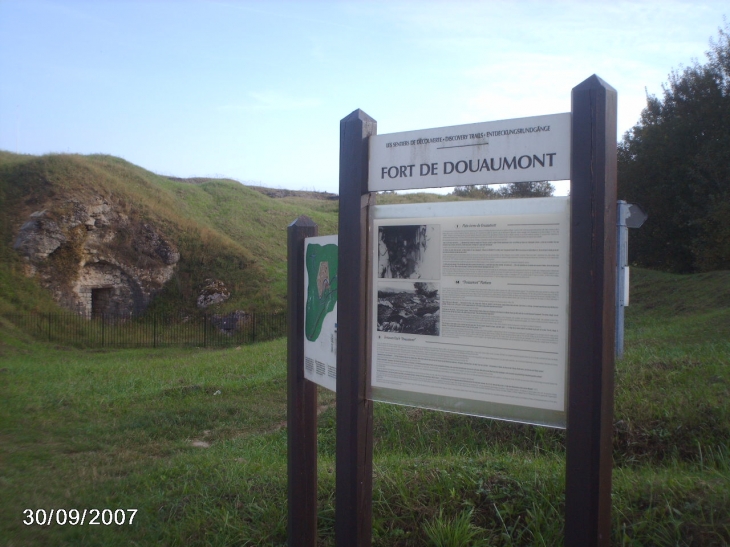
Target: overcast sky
254,90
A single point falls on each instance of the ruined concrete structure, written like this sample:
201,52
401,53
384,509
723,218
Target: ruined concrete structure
106,288
95,257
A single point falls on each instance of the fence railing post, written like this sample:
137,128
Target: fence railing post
205,330
116,329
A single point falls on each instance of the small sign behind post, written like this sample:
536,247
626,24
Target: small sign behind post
628,215
320,311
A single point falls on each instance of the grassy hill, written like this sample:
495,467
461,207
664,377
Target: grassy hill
223,229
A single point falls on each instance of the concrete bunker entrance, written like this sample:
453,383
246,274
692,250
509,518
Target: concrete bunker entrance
101,300
103,288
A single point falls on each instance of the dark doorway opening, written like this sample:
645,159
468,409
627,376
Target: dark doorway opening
101,301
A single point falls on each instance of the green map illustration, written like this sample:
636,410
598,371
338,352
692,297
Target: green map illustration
321,264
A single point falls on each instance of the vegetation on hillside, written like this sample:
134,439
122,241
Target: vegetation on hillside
223,229
675,163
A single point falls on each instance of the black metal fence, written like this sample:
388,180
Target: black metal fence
106,330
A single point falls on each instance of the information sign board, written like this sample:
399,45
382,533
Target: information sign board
470,305
320,310
497,152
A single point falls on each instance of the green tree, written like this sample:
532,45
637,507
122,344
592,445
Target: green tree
675,162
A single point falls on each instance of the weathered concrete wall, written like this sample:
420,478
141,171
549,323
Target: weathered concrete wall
75,248
124,293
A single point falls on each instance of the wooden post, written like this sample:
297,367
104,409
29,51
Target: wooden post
592,313
354,451
301,410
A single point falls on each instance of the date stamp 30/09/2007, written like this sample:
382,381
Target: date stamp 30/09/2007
79,517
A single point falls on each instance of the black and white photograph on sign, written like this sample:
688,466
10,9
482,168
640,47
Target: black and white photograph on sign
409,308
409,251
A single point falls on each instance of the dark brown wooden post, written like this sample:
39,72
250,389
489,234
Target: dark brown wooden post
592,315
301,409
354,451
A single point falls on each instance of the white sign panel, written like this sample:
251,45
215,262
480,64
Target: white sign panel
470,303
320,310
518,150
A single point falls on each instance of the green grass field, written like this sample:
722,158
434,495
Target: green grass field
195,440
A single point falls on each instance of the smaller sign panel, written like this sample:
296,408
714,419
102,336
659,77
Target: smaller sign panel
320,310
518,150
